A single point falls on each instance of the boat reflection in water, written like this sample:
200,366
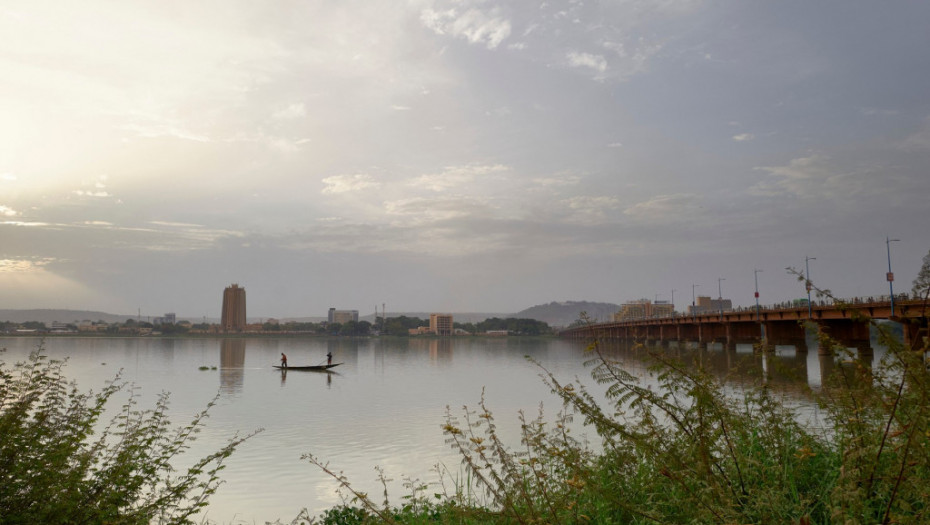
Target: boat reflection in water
326,370
232,365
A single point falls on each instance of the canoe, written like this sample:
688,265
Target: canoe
318,368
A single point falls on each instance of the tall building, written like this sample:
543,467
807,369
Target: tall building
233,319
342,316
440,324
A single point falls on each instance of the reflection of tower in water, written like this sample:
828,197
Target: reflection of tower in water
232,363
440,349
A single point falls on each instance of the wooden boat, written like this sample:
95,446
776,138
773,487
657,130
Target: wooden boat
312,368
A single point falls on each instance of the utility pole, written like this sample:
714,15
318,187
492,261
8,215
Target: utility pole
890,275
756,275
673,301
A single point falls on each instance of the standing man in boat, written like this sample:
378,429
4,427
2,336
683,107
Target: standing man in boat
329,358
283,360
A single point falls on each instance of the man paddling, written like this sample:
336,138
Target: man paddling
283,360
329,358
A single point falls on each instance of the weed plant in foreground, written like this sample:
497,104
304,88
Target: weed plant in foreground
686,453
57,466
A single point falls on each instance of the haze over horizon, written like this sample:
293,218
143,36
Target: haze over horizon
457,155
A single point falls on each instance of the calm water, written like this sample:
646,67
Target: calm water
384,407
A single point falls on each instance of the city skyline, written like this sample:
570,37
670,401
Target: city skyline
458,156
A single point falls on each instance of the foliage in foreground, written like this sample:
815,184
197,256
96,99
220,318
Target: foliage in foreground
58,466
686,452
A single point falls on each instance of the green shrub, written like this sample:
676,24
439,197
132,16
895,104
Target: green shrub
687,452
58,466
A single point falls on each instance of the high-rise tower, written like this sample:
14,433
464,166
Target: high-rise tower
233,319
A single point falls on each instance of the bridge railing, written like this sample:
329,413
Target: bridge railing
827,302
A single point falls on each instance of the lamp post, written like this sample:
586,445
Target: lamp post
890,275
756,275
693,312
720,297
673,302
807,283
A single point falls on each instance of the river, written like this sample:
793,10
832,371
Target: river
383,406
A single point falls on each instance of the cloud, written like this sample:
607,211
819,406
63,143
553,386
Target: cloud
99,185
458,176
919,140
98,194
665,208
631,59
615,145
156,130
396,107
348,183
478,27
7,177
819,177
23,265
284,144
743,137
293,111
568,180
589,210
6,211
28,224
595,62
800,177
422,211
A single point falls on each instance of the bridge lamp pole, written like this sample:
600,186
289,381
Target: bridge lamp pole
693,313
756,275
673,301
720,297
890,275
807,284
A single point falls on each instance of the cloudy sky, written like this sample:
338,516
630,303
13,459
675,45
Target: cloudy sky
457,155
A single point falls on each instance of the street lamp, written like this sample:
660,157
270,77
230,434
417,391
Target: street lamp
720,297
756,275
807,283
890,275
693,286
673,302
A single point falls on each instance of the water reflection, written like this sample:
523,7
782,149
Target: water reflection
795,367
343,350
232,365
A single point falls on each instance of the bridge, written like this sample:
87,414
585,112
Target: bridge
771,325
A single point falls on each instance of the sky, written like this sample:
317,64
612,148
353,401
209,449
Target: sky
457,155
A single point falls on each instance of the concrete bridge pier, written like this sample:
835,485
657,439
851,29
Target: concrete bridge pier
864,352
915,333
827,365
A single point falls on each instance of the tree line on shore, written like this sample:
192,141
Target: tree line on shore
394,326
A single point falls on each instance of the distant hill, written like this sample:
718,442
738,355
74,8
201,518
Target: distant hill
564,313
48,316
